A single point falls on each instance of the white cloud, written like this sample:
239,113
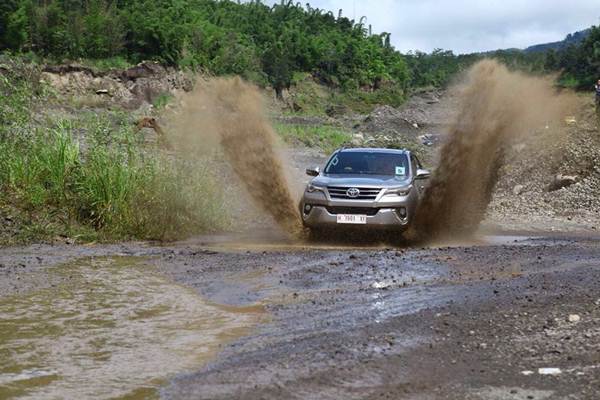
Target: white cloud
469,25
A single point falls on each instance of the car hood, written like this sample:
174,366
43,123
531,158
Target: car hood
360,180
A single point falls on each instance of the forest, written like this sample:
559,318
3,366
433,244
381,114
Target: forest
262,43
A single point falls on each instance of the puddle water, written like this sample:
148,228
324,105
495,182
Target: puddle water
115,330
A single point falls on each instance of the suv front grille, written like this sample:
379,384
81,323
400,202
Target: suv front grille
353,210
340,192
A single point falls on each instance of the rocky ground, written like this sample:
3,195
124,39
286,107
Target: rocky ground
555,184
550,180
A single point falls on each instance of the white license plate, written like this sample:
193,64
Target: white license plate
351,219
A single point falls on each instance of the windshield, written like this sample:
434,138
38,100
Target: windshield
368,163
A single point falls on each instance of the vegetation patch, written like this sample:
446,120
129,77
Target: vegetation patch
324,137
162,100
118,190
93,177
308,97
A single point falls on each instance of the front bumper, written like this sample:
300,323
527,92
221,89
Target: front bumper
386,213
385,218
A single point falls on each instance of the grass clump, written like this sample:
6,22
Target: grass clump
324,137
162,100
106,64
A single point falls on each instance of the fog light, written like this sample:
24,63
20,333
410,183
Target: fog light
307,208
401,212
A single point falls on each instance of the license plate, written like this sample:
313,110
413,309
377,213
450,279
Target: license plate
351,219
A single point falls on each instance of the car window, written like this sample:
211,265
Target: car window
368,163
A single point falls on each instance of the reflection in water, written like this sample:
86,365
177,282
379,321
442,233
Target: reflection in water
115,330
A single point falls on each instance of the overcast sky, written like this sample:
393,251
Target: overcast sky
466,26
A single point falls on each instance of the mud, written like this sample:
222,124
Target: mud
439,322
495,107
110,328
229,113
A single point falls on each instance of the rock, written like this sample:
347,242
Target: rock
574,318
143,70
357,139
102,91
561,181
335,110
549,371
519,189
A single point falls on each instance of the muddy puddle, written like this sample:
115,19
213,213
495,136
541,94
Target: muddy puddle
114,330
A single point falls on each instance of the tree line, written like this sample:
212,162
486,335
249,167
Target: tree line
265,44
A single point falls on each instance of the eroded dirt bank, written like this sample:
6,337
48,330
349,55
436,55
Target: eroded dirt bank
459,322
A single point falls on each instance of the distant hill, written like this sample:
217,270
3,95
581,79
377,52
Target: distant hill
571,39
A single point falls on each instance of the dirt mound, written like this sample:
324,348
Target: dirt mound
228,113
385,119
496,107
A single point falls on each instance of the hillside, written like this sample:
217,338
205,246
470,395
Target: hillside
572,39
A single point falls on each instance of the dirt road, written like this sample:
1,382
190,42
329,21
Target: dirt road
478,320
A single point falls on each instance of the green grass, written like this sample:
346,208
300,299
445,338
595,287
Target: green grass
311,98
106,64
117,191
324,137
568,81
162,100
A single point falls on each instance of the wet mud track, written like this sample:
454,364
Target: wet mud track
474,321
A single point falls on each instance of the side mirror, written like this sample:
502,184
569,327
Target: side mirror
422,174
313,171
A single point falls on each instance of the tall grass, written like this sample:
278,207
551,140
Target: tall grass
92,173
121,190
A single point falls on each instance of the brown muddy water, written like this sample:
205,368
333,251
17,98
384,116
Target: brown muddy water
115,330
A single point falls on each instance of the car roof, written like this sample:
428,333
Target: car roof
373,150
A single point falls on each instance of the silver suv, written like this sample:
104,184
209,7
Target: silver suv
373,188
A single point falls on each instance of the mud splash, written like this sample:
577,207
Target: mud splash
229,113
497,107
116,330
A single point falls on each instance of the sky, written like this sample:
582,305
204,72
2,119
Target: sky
466,26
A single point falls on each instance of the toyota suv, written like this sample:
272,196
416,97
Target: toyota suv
372,188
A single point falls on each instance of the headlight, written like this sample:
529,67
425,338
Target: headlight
312,188
402,191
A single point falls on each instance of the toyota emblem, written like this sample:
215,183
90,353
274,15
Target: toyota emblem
353,193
